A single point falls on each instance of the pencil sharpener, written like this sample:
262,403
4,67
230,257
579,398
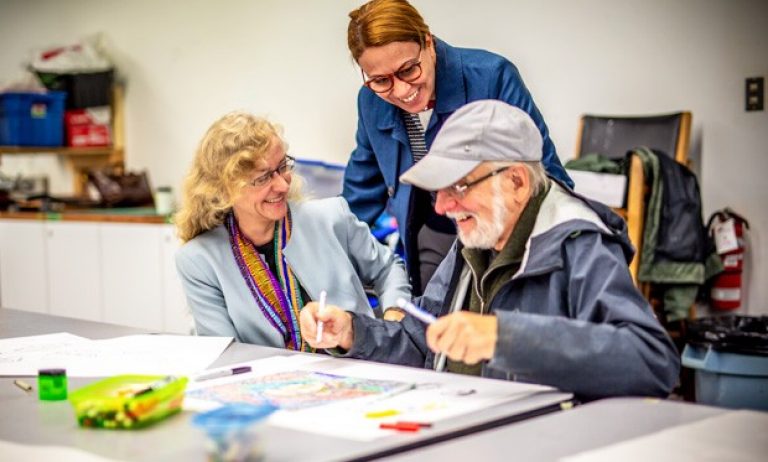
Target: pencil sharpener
52,384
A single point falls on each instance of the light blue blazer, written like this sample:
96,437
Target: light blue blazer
329,249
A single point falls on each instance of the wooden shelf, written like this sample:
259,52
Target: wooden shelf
119,215
80,160
60,151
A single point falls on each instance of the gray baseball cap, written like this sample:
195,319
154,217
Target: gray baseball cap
484,130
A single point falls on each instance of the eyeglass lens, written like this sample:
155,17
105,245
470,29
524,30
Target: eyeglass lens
460,189
284,169
384,83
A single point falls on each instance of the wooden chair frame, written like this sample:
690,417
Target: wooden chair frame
634,210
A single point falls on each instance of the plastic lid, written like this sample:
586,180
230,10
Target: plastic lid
52,371
232,417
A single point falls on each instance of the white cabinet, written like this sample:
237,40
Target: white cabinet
74,270
132,275
23,268
121,273
177,318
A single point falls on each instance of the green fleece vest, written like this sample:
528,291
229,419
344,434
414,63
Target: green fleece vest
496,269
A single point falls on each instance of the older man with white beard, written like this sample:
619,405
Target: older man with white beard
536,288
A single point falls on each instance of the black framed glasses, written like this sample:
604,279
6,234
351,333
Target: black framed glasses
459,189
284,169
408,72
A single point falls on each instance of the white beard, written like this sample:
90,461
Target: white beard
487,233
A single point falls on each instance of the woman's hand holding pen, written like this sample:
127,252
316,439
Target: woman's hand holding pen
337,326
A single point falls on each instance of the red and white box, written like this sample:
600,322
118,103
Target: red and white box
88,127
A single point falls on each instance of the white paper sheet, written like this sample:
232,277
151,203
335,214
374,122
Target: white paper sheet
14,451
15,353
359,420
738,436
429,398
133,354
604,187
258,367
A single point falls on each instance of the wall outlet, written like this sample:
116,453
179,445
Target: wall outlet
755,93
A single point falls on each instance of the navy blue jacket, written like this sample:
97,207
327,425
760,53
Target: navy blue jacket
383,151
571,317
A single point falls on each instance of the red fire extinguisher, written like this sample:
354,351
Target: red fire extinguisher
727,228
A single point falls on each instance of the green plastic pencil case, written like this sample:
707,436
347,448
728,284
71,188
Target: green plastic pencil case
128,401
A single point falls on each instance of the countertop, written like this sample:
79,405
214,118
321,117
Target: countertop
110,215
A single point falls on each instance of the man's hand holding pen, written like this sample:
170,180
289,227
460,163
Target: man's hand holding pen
463,336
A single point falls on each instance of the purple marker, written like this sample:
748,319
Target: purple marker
222,373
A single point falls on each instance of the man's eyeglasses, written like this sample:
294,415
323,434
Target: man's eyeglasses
409,72
459,190
285,169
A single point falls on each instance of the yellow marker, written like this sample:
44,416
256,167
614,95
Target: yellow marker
380,414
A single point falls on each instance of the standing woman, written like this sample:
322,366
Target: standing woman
412,82
254,255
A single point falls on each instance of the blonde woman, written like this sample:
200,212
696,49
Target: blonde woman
254,254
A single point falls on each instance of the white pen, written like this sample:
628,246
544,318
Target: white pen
222,373
414,310
320,309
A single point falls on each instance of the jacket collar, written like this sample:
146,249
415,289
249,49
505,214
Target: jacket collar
450,91
388,114
295,251
562,214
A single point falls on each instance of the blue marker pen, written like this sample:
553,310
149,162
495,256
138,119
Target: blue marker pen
420,314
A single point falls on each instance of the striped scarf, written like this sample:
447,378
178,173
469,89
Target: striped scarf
279,298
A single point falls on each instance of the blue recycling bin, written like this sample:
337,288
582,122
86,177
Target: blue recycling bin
730,357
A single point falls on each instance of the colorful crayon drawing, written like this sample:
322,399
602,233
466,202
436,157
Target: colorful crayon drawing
297,389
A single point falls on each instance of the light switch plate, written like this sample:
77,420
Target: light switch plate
755,93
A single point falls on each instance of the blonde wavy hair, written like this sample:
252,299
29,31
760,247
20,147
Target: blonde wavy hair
233,148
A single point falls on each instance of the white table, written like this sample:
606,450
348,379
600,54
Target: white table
26,420
587,427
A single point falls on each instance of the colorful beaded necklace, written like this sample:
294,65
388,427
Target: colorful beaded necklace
268,291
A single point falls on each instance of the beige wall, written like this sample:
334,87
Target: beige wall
186,63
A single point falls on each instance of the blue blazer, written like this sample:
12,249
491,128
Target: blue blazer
383,151
329,249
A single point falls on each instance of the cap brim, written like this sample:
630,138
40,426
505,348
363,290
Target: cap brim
434,172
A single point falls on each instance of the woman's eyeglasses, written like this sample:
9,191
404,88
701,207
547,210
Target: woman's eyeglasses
285,169
409,72
459,189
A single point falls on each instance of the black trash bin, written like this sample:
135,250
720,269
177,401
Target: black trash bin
730,356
